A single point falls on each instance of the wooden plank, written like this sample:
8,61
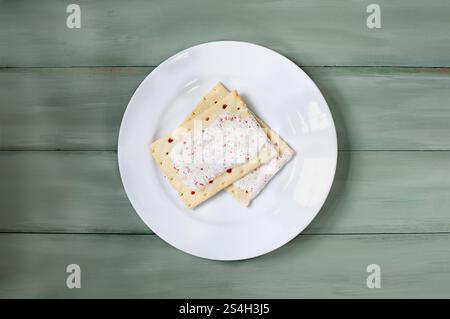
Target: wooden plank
64,192
81,108
374,192
124,266
386,108
70,108
311,32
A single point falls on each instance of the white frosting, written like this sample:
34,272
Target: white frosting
255,181
204,153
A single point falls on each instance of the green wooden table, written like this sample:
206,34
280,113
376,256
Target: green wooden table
62,95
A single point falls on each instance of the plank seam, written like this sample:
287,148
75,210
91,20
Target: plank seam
153,234
115,150
154,66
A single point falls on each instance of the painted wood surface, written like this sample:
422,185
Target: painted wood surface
62,89
139,32
81,108
374,192
146,267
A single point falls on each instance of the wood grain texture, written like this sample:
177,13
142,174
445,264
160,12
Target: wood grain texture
374,192
116,266
386,207
81,108
64,192
64,108
311,32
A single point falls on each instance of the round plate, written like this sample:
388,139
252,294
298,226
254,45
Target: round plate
283,96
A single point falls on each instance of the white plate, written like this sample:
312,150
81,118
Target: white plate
283,96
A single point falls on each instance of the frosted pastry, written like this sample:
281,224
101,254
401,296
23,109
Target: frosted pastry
197,166
249,186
